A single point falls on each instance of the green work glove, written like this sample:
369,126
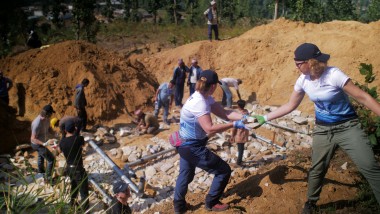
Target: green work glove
261,119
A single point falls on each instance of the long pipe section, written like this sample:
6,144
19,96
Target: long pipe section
106,197
149,157
115,168
285,128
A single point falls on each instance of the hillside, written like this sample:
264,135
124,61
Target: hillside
262,58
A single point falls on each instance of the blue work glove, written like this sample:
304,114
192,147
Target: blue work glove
261,119
239,124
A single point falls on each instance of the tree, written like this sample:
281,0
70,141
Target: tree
275,10
127,9
374,10
153,6
13,25
339,10
83,11
108,10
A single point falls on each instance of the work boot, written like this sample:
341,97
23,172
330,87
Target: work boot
309,207
219,207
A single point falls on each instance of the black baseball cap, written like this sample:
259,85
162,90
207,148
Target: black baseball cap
49,109
119,186
70,126
308,51
211,76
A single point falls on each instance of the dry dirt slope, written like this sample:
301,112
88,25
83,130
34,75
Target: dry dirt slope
263,56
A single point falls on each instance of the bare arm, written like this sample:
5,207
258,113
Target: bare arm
34,140
156,96
210,128
238,93
362,97
293,103
219,111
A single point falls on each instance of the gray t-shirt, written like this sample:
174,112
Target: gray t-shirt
40,128
165,92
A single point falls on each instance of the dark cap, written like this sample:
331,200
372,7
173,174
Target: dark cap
70,126
49,109
308,51
211,77
119,186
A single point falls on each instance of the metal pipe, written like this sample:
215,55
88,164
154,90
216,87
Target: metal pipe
285,128
115,168
149,157
266,140
106,198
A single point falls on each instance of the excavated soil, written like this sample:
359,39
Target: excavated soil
262,58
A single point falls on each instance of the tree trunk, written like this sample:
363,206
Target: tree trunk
175,12
275,10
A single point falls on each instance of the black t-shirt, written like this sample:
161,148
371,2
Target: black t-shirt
72,149
118,208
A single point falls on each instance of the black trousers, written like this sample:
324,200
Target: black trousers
82,114
79,183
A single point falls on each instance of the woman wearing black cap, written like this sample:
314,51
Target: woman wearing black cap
337,123
195,127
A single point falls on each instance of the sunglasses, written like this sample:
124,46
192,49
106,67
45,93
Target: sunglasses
298,64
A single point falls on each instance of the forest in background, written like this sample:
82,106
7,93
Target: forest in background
87,16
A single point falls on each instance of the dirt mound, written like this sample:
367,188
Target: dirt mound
50,75
263,56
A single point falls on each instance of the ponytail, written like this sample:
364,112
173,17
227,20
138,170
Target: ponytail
202,85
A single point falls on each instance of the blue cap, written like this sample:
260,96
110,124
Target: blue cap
308,51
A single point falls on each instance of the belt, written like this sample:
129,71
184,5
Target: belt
334,123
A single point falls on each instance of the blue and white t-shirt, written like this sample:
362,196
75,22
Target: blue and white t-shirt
331,103
195,107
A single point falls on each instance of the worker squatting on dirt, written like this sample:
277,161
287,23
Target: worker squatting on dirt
179,77
212,21
71,146
164,98
337,123
39,141
80,102
146,123
195,126
5,85
119,204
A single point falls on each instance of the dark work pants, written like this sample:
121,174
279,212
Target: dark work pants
216,32
44,153
240,153
5,100
82,114
178,94
199,156
192,88
79,183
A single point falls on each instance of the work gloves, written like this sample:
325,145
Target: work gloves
239,124
261,119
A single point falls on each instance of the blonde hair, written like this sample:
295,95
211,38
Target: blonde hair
317,67
202,85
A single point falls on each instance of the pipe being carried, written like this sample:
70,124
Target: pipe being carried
106,198
149,157
116,169
286,128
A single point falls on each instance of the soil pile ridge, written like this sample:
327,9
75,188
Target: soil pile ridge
50,75
263,56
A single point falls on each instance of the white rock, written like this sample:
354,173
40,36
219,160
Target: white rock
344,166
